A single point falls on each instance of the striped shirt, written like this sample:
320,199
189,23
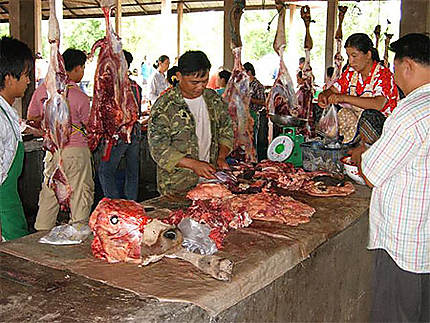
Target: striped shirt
398,165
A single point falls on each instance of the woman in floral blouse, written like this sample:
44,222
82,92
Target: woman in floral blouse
365,85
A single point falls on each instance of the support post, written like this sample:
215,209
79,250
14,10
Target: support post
228,54
180,12
415,17
22,26
118,16
329,36
38,26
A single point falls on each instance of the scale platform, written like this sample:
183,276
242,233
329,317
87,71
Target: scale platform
286,147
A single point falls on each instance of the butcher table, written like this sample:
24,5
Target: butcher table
318,271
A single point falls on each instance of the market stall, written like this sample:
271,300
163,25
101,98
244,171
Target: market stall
281,273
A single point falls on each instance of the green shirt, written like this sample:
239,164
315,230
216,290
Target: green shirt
172,136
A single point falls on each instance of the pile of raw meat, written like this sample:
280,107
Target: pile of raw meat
270,176
237,211
253,195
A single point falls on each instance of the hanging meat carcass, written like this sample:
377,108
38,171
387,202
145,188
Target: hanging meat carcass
114,109
387,45
377,32
306,89
282,99
338,59
56,118
237,93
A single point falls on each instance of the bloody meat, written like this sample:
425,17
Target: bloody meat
56,118
114,109
204,191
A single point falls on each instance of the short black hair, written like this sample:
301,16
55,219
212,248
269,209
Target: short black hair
161,59
15,59
194,62
128,57
73,57
249,68
225,75
302,60
415,46
171,75
363,43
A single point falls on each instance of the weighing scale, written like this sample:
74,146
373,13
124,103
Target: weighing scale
286,147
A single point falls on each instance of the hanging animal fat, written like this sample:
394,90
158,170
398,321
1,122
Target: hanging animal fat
114,109
56,117
237,94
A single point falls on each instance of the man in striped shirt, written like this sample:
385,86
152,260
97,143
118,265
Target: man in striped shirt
397,166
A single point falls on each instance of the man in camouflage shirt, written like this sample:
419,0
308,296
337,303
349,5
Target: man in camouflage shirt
190,131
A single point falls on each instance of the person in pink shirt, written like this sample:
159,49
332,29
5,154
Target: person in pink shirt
76,154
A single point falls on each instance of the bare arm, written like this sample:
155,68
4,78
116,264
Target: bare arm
323,97
376,102
356,159
201,168
222,155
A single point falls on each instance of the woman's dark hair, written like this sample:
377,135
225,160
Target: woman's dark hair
15,59
73,57
194,62
160,60
363,43
415,46
225,75
171,75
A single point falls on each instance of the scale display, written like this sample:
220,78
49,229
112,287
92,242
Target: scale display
280,148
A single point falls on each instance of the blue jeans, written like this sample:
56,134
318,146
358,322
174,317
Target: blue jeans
108,169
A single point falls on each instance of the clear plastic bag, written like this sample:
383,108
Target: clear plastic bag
196,237
328,126
67,234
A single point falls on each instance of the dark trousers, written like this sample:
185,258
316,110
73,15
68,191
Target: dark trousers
108,170
398,295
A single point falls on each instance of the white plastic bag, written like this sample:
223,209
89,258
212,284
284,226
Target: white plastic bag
196,237
67,234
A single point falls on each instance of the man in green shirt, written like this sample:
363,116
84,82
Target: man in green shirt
190,132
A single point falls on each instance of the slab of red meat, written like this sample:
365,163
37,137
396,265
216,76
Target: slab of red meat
205,191
271,207
238,97
118,227
56,117
238,211
114,109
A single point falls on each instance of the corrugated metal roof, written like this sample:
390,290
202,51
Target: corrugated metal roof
75,9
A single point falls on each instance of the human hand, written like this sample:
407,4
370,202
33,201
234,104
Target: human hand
335,98
222,164
356,154
323,98
203,169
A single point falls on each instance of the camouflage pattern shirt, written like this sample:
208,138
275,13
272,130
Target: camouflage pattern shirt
172,136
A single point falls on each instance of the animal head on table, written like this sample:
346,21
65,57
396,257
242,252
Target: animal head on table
124,233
